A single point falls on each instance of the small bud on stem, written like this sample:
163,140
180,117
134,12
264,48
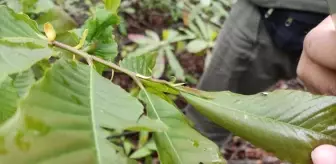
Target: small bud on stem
50,32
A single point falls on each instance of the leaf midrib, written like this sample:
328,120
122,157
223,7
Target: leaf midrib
165,133
93,120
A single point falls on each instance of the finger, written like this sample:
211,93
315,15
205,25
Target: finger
320,44
302,74
317,79
325,154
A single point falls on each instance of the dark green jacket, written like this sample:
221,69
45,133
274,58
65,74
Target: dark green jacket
246,18
306,5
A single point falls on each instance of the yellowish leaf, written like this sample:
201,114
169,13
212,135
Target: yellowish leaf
50,31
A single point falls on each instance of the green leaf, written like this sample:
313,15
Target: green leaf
131,116
100,25
169,98
165,88
148,160
145,50
195,30
9,98
123,26
17,25
34,6
197,46
61,119
151,145
142,65
69,38
172,36
15,5
107,51
21,43
40,68
180,46
160,65
141,153
174,64
191,79
112,5
202,26
288,123
205,3
23,81
61,21
140,39
169,34
128,146
181,144
100,37
43,5
153,35
219,8
226,2
143,138
19,54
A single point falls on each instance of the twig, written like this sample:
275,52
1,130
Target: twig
89,57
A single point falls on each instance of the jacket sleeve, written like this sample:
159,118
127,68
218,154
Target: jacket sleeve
320,6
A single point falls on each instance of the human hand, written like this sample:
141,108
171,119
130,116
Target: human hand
317,69
317,66
325,154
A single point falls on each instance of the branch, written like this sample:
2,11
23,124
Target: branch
89,57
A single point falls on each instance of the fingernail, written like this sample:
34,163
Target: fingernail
325,154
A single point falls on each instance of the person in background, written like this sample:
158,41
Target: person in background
317,69
259,44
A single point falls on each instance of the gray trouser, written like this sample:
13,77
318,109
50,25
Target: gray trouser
244,61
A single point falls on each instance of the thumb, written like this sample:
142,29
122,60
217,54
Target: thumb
325,154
